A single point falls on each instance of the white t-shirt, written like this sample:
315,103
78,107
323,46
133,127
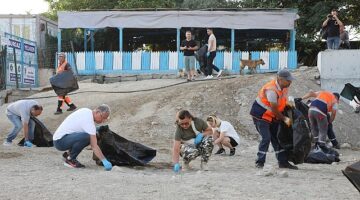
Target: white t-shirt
81,121
212,43
229,131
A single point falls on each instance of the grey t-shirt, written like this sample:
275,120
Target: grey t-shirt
22,109
188,134
271,96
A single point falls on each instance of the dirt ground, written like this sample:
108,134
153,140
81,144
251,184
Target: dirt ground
148,118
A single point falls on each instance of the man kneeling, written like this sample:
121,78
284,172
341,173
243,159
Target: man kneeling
77,131
192,139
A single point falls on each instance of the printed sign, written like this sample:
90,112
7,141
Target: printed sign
29,75
12,73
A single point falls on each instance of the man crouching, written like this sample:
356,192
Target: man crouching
78,131
192,139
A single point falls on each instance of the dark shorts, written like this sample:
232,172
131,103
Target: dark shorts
233,142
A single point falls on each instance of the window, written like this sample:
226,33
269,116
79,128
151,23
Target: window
26,32
16,30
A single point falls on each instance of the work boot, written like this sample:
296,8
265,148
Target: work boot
287,165
259,165
72,107
58,112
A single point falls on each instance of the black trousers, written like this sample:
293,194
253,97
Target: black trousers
209,64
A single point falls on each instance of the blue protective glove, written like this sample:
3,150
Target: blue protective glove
198,138
208,54
107,165
176,167
27,143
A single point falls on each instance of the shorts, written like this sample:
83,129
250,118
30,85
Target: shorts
189,62
233,142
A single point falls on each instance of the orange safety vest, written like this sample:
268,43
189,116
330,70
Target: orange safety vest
262,109
324,101
61,67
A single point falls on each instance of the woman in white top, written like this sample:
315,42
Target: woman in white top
224,134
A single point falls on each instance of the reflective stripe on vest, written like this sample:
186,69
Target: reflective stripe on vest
324,101
263,101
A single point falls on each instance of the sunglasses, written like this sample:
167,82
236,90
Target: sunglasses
183,123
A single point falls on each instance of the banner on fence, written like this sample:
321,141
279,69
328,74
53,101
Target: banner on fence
26,61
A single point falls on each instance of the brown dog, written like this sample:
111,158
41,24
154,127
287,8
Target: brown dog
251,64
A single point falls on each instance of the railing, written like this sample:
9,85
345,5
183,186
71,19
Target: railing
142,62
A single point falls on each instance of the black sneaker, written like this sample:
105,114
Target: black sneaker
72,107
220,151
288,166
58,112
65,156
73,164
337,146
232,152
259,165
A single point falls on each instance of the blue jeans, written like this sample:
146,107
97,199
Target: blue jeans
74,142
16,121
268,132
333,42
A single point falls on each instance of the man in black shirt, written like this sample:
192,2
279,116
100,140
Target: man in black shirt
189,46
332,25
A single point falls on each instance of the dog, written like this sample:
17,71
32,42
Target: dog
251,64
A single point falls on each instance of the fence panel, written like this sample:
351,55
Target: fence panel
274,60
283,59
265,56
80,60
117,60
219,60
108,60
99,60
126,60
145,60
155,59
164,60
173,60
227,60
136,60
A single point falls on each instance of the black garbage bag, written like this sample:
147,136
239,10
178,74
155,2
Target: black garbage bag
64,83
42,136
296,140
200,56
322,155
120,151
350,91
352,173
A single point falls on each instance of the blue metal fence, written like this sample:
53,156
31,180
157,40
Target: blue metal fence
170,62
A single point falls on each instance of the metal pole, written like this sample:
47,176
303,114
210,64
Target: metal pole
74,57
16,69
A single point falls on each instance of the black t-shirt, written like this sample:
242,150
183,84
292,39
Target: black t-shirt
333,28
190,43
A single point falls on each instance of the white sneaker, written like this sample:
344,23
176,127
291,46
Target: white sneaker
219,74
204,166
6,143
209,77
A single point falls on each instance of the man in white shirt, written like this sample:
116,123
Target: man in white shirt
77,131
211,54
19,114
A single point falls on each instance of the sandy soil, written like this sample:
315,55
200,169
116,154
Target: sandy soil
148,117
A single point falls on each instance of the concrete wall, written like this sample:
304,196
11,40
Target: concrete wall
338,67
44,76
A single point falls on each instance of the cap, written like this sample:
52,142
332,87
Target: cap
285,74
61,54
